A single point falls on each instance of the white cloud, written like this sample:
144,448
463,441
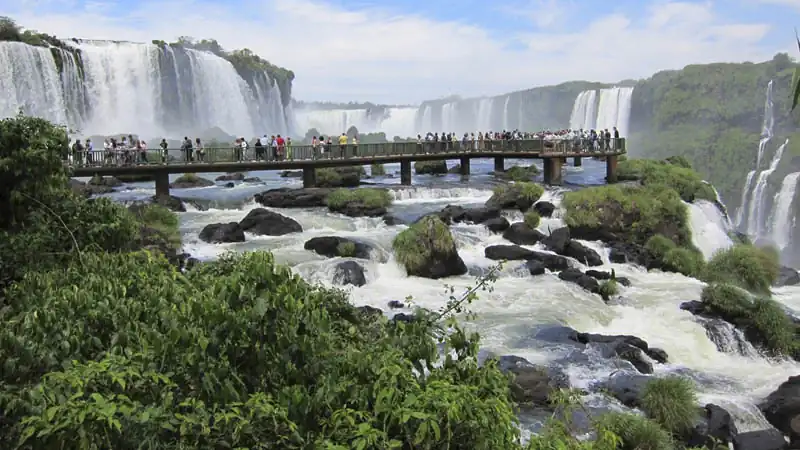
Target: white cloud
377,55
788,3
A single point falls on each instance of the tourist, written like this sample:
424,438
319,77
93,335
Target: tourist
142,145
329,146
260,147
108,154
164,151
187,149
77,152
90,157
244,144
201,152
342,145
289,148
355,145
274,145
281,143
314,148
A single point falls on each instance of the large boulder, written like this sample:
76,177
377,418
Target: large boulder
770,439
170,202
438,167
532,385
366,202
781,408
294,198
349,272
457,214
521,234
189,181
544,209
516,253
497,224
787,277
264,222
560,242
220,233
427,249
715,427
573,275
334,177
236,176
520,196
337,246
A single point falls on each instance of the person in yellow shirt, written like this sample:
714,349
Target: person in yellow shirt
342,144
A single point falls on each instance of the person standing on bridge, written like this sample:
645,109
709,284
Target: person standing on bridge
289,147
342,145
314,148
281,147
355,145
187,150
142,151
201,152
164,150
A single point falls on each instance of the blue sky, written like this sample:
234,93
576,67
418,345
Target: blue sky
406,51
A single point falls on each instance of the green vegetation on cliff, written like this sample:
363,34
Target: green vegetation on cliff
10,31
676,174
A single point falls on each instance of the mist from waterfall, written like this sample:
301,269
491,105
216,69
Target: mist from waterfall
613,109
394,121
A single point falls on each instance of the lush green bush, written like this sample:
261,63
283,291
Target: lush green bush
532,219
430,167
634,213
609,288
414,246
637,432
529,191
520,173
377,170
368,197
675,174
671,402
658,246
747,266
158,220
340,176
763,320
686,261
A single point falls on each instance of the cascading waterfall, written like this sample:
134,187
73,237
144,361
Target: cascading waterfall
614,109
783,222
709,227
484,122
756,213
426,119
29,81
583,111
506,125
448,117
766,135
395,121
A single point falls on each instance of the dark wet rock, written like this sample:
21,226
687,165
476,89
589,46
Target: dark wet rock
219,233
770,439
624,281
252,180
395,304
695,307
191,182
391,220
336,246
582,253
336,177
516,253
457,214
629,348
430,167
598,274
368,313
726,337
87,190
521,234
238,176
349,272
512,197
229,185
544,209
455,169
627,253
557,241
532,384
264,222
294,198
497,224
553,262
403,317
171,202
658,354
627,388
535,267
573,275
781,408
787,277
714,426
292,174
633,355
359,209
104,181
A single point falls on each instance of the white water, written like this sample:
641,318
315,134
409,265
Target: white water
746,205
709,227
756,220
448,117
30,81
484,115
507,315
584,110
614,109
783,222
506,124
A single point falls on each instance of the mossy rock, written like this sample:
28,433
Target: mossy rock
340,176
370,202
430,167
190,180
532,219
519,173
676,175
521,195
377,170
427,249
749,267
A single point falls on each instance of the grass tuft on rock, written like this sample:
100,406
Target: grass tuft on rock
159,219
532,219
187,178
414,246
636,432
377,170
368,197
609,288
346,249
685,261
671,402
520,173
746,266
688,183
340,176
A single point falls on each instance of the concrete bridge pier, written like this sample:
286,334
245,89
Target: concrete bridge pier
405,173
611,168
162,184
577,161
309,177
499,164
552,171
464,166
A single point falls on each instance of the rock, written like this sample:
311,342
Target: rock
292,174
627,253
335,246
87,190
557,241
544,209
497,224
658,354
531,384
715,427
507,253
430,167
359,209
104,181
229,185
172,203
576,276
334,177
770,439
294,198
511,196
403,317
391,220
623,281
696,307
598,274
583,254
349,272
455,169
395,304
535,267
787,277
238,176
368,313
626,347
627,388
458,214
252,180
218,233
781,408
190,182
521,234
264,222
427,249
633,355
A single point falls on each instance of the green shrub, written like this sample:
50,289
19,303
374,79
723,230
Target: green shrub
188,178
521,173
346,249
368,197
637,432
414,246
377,170
636,213
746,266
685,261
671,402
532,219
658,246
688,183
763,320
430,167
349,176
520,195
161,220
609,288
680,161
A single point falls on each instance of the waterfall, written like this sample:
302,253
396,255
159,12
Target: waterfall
583,111
426,119
614,109
766,135
755,215
29,80
709,227
506,125
484,114
394,121
783,222
448,117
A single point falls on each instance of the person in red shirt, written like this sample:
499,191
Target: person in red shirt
281,147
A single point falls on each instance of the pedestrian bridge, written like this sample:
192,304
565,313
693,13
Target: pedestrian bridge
553,153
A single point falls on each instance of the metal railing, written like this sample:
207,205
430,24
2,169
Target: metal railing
365,152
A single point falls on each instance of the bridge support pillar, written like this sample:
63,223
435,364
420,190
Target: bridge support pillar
464,166
552,171
577,161
499,164
162,184
611,168
309,177
405,173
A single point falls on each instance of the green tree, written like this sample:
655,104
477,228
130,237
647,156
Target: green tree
796,78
